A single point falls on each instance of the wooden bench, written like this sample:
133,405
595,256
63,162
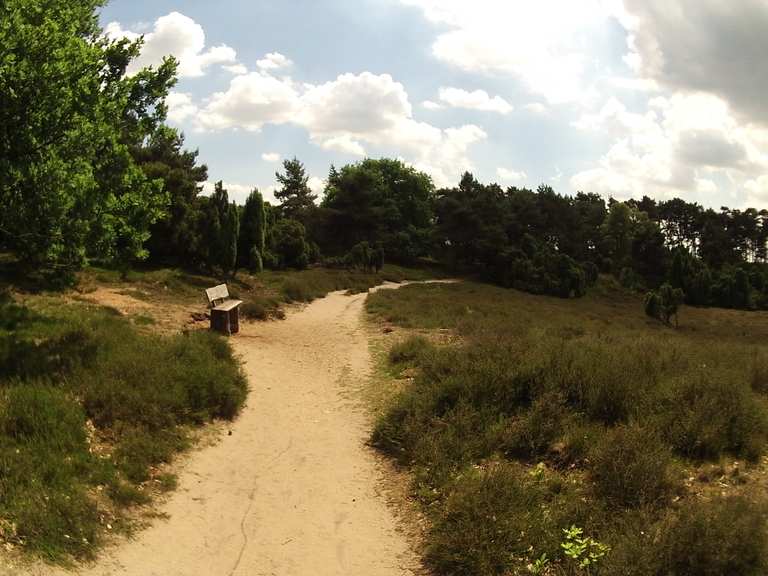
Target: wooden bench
225,315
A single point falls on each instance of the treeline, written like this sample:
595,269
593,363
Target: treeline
90,172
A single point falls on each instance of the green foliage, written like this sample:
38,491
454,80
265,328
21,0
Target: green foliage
69,186
46,468
664,304
253,232
289,244
631,466
378,201
489,522
175,239
409,351
726,536
221,229
605,411
706,413
583,551
295,196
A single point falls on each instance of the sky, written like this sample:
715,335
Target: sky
619,97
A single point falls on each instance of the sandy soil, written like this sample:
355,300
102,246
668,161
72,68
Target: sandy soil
293,490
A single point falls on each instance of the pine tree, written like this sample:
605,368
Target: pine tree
295,196
253,231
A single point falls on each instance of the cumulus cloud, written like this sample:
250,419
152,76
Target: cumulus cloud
674,148
547,45
271,157
180,107
251,101
274,61
317,185
715,46
236,69
536,108
477,100
351,114
508,175
757,191
175,35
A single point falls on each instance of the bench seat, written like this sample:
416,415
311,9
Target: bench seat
228,305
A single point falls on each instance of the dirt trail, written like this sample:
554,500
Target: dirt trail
293,490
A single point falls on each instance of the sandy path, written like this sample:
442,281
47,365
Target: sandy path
294,490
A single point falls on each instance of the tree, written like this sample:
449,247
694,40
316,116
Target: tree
174,238
295,196
289,244
618,230
221,229
253,232
69,116
664,303
379,201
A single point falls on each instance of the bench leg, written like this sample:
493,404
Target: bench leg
220,321
234,321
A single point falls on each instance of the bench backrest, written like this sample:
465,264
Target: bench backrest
217,294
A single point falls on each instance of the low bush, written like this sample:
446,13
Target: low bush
706,414
632,467
608,406
488,524
409,351
258,308
45,471
714,538
535,431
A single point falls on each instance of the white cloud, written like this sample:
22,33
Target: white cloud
536,108
274,61
236,69
250,101
675,148
175,35
430,105
344,143
271,157
508,175
317,185
477,100
548,45
236,192
757,191
350,114
180,107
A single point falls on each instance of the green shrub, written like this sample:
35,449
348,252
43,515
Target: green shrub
255,308
45,467
632,467
409,351
723,536
295,290
534,432
488,523
707,414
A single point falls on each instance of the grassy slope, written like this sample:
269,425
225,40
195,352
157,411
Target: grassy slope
89,408
550,413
